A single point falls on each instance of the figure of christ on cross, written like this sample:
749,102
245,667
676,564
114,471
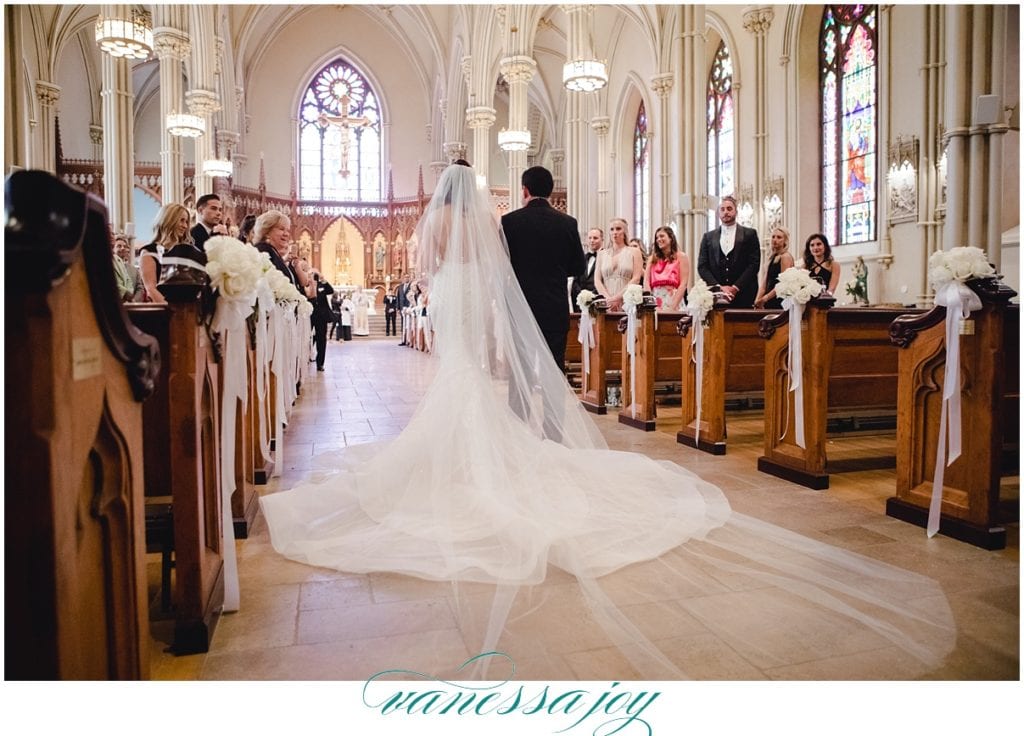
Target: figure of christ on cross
346,123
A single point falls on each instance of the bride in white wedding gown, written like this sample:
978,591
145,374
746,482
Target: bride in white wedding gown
471,493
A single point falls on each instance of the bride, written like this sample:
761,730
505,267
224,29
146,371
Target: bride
558,547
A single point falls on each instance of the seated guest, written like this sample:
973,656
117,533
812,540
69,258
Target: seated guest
171,228
819,263
668,271
618,266
245,231
272,234
210,213
779,261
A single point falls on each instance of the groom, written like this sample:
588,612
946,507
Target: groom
544,246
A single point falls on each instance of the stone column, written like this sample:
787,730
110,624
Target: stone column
557,164
518,70
601,124
757,21
48,94
480,119
118,141
172,48
202,98
956,124
661,210
691,111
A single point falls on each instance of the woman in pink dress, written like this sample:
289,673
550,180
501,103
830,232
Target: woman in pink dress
668,271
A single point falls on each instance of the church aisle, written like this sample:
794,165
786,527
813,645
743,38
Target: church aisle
304,623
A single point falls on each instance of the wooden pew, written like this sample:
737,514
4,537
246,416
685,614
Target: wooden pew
574,351
76,369
850,366
990,370
658,358
733,363
605,355
182,440
260,461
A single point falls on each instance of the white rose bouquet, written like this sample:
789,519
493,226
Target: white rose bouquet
305,309
585,299
700,301
233,266
797,285
284,290
958,264
632,296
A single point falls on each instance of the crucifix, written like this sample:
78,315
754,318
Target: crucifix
345,122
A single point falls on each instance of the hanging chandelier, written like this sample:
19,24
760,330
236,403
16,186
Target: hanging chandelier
584,75
218,167
129,38
514,140
185,125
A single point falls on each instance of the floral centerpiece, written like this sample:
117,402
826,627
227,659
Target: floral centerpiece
797,285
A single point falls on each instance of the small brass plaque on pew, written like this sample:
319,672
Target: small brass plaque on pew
86,358
967,327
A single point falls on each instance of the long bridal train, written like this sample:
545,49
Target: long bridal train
551,546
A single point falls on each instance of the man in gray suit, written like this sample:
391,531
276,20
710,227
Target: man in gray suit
730,256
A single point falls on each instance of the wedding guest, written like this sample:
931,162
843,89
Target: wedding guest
321,317
618,265
171,228
210,212
595,238
779,261
245,230
390,315
668,270
403,305
730,257
129,280
819,263
272,234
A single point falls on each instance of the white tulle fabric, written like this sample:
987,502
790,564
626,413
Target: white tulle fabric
501,478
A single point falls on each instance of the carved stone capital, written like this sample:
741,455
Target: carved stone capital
438,166
47,93
557,155
662,84
454,150
518,69
202,102
758,20
601,124
170,43
96,134
480,117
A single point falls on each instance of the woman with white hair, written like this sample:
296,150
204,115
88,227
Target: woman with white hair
272,234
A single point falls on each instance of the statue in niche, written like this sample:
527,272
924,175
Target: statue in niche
379,254
857,287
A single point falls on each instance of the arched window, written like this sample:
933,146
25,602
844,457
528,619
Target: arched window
332,167
849,131
641,178
721,128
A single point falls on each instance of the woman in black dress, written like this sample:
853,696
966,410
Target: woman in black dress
780,261
819,262
172,223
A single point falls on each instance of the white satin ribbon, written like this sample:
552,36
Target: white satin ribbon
631,324
959,302
697,328
229,322
278,362
264,349
586,338
796,366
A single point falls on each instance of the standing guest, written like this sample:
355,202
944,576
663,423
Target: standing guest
245,230
730,257
595,239
618,266
668,270
210,214
171,228
403,303
129,279
272,234
321,316
335,333
390,315
779,261
819,263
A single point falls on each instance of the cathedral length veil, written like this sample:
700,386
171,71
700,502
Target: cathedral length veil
613,551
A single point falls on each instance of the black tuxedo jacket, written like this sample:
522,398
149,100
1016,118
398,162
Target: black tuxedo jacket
738,269
545,249
586,279
322,305
390,303
199,235
403,296
278,262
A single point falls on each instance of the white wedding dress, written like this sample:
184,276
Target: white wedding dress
539,510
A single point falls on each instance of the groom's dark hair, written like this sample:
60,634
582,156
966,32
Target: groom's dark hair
538,181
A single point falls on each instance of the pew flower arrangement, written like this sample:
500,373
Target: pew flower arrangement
585,301
958,264
700,301
305,309
948,272
797,285
234,267
632,296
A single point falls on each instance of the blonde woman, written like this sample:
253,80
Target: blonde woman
618,265
171,229
780,260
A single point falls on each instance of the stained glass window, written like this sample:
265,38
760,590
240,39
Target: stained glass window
641,178
721,128
332,167
849,122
